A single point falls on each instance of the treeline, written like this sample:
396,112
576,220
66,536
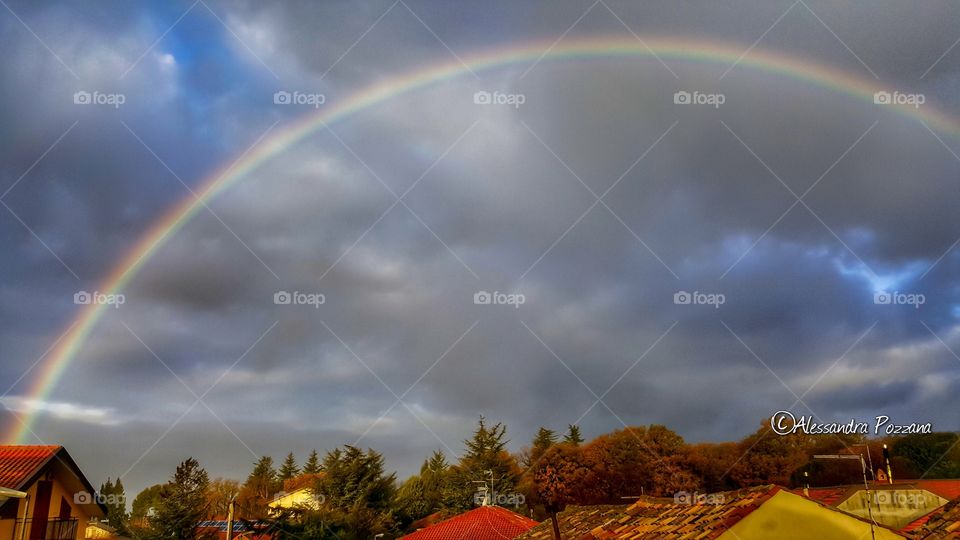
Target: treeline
353,496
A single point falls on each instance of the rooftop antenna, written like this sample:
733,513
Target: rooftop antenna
863,467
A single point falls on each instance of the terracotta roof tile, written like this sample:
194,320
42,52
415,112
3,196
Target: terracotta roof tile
942,524
19,463
575,522
668,520
483,523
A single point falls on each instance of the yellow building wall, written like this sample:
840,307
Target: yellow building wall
786,516
9,530
302,498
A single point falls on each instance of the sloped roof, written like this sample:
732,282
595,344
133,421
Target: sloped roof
18,464
483,523
575,522
920,521
830,496
948,489
942,524
665,519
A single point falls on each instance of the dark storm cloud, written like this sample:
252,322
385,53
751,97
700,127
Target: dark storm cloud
699,213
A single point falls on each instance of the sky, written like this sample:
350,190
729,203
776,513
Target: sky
587,195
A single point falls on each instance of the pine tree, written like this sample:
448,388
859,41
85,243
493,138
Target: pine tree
486,455
573,435
289,469
115,499
182,503
312,466
544,439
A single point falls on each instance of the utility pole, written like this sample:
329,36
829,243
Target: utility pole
230,519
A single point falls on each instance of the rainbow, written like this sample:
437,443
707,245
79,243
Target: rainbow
56,361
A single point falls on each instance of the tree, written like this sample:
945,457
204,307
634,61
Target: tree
769,458
573,435
542,441
486,455
424,494
259,489
289,469
182,503
931,455
143,506
219,496
312,466
357,493
115,499
562,476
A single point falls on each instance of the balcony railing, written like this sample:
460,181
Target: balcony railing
57,529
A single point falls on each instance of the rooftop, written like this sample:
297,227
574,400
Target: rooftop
483,523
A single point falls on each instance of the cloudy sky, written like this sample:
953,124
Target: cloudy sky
598,199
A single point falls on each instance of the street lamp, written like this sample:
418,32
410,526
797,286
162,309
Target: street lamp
863,467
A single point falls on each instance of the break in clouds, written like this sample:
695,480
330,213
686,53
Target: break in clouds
500,197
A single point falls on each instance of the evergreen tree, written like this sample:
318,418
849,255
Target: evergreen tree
573,435
312,466
182,503
261,485
115,499
289,469
486,455
544,439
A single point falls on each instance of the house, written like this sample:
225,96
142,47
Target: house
44,495
482,523
300,499
761,513
575,521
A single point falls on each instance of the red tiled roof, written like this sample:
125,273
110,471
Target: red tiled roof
19,463
948,489
943,524
664,518
830,496
575,522
483,523
920,521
